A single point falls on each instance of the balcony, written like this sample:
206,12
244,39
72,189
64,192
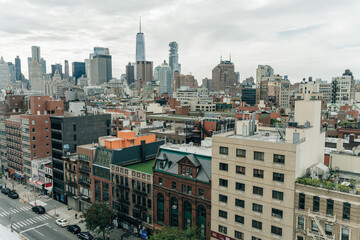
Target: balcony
84,161
324,217
84,183
85,171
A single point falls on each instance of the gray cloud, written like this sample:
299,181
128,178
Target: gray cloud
298,38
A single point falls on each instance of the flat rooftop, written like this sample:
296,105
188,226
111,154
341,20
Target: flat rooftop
145,167
206,151
262,136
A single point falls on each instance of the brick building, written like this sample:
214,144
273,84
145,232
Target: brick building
182,188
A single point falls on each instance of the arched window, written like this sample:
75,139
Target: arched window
160,207
174,222
187,215
201,219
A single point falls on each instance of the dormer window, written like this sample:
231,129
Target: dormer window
187,171
183,170
191,172
162,164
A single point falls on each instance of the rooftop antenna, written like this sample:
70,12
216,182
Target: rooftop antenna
140,24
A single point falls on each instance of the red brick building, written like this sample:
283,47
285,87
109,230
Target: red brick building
182,188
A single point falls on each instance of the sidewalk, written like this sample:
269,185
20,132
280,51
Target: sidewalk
57,209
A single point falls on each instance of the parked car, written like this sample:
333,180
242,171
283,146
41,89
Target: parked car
74,229
5,191
38,209
13,195
85,236
62,222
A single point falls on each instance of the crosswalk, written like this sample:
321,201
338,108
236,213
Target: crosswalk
15,210
30,221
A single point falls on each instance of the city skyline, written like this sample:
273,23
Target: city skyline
298,39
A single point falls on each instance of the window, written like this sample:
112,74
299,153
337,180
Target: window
277,213
189,190
328,229
314,226
240,170
33,122
345,234
299,238
33,138
277,195
33,130
74,127
278,177
201,192
256,224
255,238
301,222
257,208
239,219
46,129
46,121
276,230
222,229
240,186
239,203
34,146
224,150
258,173
223,182
34,155
240,153
223,166
329,207
301,201
47,137
222,214
239,235
316,204
259,156
183,187
346,211
160,181
258,190
223,198
173,185
279,158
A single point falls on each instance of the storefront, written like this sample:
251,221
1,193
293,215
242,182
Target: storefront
18,177
133,226
37,185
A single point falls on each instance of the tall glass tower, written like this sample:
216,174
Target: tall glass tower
174,57
140,45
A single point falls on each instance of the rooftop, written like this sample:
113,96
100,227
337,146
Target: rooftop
145,167
188,148
263,136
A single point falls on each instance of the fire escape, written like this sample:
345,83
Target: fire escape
321,234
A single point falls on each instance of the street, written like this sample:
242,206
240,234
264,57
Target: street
29,224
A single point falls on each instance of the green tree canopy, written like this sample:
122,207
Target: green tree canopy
98,218
172,233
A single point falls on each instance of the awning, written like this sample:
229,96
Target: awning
40,183
18,175
11,171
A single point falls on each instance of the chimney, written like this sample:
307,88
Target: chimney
339,145
143,150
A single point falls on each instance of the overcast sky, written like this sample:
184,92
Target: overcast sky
298,38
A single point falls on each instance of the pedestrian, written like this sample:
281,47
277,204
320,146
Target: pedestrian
75,215
108,236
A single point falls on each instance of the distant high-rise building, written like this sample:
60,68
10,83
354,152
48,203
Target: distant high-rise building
156,73
67,74
177,79
35,53
144,72
263,71
58,67
12,71
165,76
174,57
140,46
101,51
343,88
17,68
207,83
4,73
224,76
130,73
43,64
78,69
101,69
36,70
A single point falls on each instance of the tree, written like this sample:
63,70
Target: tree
172,233
98,217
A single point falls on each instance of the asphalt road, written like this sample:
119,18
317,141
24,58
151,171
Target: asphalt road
29,224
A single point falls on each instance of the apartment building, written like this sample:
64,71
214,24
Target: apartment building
343,89
182,188
253,174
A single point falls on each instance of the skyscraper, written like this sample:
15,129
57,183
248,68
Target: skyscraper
43,64
4,73
56,66
144,71
101,69
66,69
223,76
11,71
78,69
165,76
36,70
17,68
130,73
140,46
174,57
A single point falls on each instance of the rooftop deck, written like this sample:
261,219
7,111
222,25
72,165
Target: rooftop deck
145,167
